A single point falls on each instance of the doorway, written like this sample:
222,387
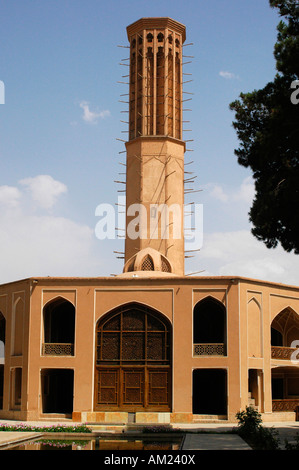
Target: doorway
210,391
57,390
133,360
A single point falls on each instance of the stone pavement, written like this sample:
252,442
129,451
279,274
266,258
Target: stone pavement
10,437
286,431
214,442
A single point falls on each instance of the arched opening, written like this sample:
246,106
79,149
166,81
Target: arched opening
18,328
133,360
209,391
284,334
209,327
254,328
276,337
2,356
285,328
147,264
165,265
59,327
149,37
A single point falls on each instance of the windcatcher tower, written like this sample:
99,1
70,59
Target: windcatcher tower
155,149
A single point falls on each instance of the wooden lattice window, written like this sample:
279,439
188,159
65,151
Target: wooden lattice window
165,266
133,361
147,264
133,336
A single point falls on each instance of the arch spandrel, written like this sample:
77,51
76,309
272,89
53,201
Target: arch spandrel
53,295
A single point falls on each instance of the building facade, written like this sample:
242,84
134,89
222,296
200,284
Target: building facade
150,344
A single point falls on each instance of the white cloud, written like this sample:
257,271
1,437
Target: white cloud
217,192
243,193
246,191
238,253
44,190
9,196
232,250
42,245
92,116
228,75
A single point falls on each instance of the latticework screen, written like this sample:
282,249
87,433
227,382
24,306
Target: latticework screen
133,367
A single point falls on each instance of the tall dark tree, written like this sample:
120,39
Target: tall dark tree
267,126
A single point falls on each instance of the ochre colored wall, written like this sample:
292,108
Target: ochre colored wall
250,307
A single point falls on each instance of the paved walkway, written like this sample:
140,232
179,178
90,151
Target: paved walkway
8,438
224,441
214,442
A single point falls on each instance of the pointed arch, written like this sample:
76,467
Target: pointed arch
285,327
147,264
18,326
254,328
254,299
59,298
133,359
209,321
59,326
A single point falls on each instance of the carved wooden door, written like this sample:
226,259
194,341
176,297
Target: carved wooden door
133,365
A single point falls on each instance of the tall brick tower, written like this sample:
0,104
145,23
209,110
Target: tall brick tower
155,149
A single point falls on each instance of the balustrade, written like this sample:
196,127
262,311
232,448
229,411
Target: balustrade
282,352
57,349
209,349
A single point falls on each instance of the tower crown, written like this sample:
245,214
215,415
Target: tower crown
159,22
155,77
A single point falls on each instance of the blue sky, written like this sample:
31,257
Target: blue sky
59,153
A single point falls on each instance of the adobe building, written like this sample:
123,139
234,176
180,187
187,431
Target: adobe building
150,344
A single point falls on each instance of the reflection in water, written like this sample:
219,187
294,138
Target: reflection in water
99,443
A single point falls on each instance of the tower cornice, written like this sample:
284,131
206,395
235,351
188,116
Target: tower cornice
156,138
156,23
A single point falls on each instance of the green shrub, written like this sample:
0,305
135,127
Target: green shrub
251,430
249,421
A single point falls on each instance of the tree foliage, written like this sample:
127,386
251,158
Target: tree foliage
267,126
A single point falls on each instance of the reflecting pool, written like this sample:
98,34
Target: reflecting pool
102,443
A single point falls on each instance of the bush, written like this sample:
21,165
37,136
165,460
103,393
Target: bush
252,431
249,421
266,439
